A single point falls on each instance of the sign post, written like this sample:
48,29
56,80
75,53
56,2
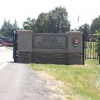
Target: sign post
15,36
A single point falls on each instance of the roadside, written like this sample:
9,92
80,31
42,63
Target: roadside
79,82
20,82
55,87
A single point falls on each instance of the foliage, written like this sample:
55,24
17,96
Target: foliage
97,44
98,32
7,28
95,26
82,82
15,25
29,24
59,20
56,21
85,28
0,34
41,24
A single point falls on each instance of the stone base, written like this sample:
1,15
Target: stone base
24,57
74,58
49,57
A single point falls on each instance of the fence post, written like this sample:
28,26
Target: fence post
83,61
15,46
99,49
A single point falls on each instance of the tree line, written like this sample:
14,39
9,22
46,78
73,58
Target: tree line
8,28
55,21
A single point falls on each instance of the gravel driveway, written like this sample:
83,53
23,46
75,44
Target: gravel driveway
20,82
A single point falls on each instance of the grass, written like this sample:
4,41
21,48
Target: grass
80,80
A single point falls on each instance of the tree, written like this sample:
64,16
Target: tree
97,45
60,20
41,23
56,21
29,24
95,25
85,28
15,25
6,28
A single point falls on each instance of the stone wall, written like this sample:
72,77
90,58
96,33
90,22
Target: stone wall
50,47
74,58
24,57
53,57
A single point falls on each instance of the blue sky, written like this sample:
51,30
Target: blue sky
21,9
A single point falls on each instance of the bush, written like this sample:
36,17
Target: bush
97,44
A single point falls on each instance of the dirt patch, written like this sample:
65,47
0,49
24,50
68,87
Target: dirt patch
55,87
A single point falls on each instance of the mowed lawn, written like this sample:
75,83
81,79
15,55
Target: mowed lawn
81,81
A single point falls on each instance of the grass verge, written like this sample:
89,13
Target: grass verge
82,80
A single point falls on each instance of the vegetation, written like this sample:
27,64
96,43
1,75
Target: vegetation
95,26
97,44
85,28
55,21
82,82
0,34
8,28
29,24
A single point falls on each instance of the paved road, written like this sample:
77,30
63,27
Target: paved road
6,55
19,81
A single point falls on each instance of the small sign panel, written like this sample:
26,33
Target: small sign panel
49,41
75,41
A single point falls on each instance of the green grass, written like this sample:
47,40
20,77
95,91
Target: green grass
82,80
0,34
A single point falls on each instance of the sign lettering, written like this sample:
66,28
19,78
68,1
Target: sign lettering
50,41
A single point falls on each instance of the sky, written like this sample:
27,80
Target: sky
21,9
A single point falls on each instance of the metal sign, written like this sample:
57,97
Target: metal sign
75,41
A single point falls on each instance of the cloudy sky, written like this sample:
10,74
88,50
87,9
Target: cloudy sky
21,9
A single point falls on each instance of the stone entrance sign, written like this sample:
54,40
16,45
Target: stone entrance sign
50,47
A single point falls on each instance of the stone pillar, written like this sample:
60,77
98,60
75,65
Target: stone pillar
25,46
75,47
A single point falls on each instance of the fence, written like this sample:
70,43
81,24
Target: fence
91,46
15,46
